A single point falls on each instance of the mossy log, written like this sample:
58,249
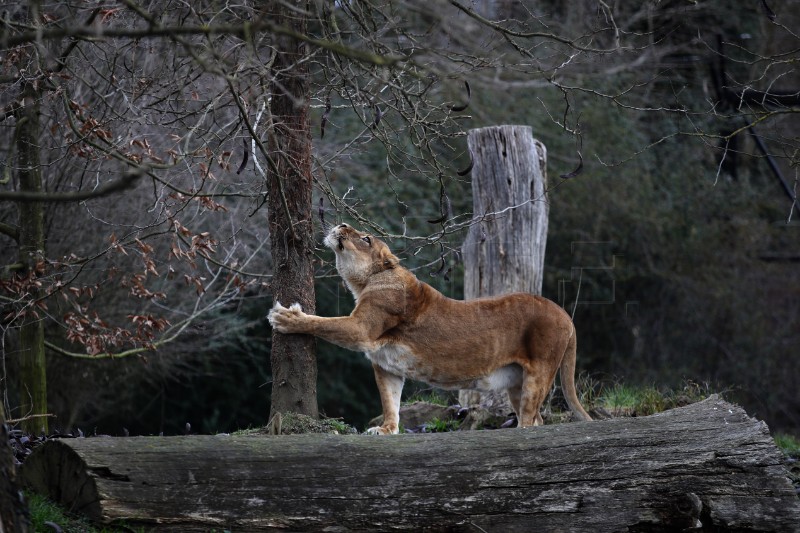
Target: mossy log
707,466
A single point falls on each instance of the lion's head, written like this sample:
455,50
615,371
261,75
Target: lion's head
358,255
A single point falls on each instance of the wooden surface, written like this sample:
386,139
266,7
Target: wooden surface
504,251
708,463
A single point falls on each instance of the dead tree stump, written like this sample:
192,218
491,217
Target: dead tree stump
504,249
707,465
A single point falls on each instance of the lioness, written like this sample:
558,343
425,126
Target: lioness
515,342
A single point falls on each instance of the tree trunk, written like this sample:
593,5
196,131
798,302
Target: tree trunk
504,252
294,365
33,375
705,465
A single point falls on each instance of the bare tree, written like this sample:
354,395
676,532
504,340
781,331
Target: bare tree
31,243
294,366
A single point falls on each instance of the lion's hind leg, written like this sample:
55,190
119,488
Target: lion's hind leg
515,397
536,382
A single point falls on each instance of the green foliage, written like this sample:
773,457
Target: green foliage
789,444
632,400
43,510
663,258
429,395
440,426
620,398
339,426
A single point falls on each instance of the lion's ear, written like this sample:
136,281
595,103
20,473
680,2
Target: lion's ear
388,259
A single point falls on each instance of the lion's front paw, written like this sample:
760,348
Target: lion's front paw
287,319
382,430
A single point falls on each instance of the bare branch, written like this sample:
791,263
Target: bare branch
9,230
526,35
126,182
243,30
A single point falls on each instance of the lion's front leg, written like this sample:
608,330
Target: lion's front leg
390,387
351,332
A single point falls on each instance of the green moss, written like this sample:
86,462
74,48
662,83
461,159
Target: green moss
294,424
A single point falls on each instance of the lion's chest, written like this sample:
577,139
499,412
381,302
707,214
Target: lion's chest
397,359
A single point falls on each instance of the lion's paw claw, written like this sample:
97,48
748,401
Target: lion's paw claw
285,319
380,430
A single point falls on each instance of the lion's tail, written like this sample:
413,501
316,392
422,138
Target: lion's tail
568,378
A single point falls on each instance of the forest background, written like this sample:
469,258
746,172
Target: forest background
672,146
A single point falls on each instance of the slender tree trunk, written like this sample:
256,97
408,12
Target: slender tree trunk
294,365
33,377
505,252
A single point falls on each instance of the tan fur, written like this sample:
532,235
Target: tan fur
408,329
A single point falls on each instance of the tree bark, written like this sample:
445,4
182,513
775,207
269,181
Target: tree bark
504,252
294,365
33,373
705,465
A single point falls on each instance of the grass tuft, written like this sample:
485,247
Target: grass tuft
44,514
632,400
438,425
788,444
434,396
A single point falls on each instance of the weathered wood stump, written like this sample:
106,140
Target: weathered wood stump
504,249
707,465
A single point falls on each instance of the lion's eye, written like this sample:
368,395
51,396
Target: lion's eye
367,240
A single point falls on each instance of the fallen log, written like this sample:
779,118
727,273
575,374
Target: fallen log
706,465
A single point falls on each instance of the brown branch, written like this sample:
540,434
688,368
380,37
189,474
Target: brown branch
125,182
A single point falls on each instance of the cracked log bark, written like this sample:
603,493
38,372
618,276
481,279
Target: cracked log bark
706,465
